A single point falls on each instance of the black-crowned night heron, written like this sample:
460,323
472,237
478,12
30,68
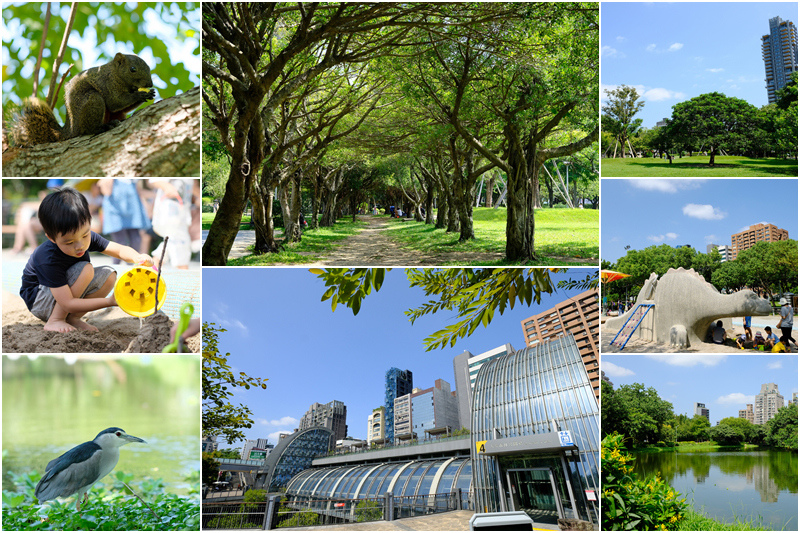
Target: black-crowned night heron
83,466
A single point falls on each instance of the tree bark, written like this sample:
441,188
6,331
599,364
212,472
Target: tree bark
161,140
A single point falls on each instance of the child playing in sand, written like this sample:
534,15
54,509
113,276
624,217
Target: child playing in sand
59,284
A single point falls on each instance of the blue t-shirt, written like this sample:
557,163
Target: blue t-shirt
48,266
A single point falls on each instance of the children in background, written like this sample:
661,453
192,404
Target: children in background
59,284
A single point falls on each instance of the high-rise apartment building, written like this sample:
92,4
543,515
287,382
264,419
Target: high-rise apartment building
779,50
332,415
768,401
723,249
398,383
747,413
579,316
700,409
756,233
376,426
465,368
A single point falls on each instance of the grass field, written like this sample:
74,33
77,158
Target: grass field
316,242
560,234
697,167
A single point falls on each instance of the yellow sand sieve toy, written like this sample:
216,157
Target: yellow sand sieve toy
135,291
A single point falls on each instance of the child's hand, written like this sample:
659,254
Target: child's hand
112,299
144,260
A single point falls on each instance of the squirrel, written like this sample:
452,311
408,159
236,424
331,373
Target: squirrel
97,100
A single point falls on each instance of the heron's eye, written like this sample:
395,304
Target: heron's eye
119,433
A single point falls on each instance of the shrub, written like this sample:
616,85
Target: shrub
632,503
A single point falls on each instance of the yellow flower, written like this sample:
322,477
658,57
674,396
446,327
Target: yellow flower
673,519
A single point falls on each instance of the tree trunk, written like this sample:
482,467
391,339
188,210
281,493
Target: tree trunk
519,199
261,200
441,213
227,220
290,205
713,152
160,140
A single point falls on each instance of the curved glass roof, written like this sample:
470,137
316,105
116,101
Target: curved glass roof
413,478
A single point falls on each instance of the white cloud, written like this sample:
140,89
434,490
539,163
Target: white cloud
276,436
674,47
710,239
651,47
621,39
282,422
607,51
662,238
736,398
228,323
658,94
670,186
703,212
715,70
616,371
674,359
775,365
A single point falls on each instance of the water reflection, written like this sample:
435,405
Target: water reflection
51,405
748,484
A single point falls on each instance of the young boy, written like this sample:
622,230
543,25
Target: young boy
59,284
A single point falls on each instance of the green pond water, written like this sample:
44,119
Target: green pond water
51,404
758,486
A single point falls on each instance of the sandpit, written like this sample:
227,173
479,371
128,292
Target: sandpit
119,332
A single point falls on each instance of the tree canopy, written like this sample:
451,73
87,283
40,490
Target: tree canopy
475,294
317,97
220,417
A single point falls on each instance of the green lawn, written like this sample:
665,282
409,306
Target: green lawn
560,234
315,242
697,167
208,218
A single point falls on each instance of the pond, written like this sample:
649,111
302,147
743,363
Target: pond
758,486
51,404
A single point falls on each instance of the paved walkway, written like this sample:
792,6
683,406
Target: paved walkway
451,521
243,239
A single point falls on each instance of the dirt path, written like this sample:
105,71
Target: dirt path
373,247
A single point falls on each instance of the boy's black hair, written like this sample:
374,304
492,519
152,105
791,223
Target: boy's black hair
63,211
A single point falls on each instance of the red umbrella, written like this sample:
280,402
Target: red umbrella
607,276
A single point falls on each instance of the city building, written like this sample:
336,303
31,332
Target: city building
536,435
768,401
756,233
424,414
349,445
209,444
465,368
402,419
779,50
747,413
535,447
262,446
376,428
398,383
662,123
578,316
700,409
332,415
723,249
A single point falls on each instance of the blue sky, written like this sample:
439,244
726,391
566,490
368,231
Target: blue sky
672,52
646,212
724,382
278,329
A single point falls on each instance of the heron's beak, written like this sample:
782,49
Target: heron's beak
131,438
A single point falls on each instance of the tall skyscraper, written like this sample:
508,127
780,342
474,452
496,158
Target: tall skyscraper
779,50
768,401
756,233
332,415
398,383
580,316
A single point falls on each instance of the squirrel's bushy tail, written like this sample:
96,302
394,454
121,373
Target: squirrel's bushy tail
35,123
